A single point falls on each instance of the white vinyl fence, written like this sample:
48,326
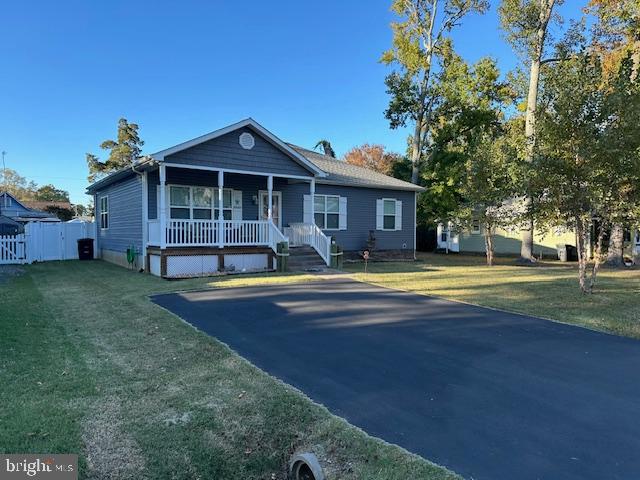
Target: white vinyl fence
12,249
42,242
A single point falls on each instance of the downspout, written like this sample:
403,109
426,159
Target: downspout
96,220
144,213
133,168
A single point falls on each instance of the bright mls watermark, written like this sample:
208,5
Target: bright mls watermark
34,466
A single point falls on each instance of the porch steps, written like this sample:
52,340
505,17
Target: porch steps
305,258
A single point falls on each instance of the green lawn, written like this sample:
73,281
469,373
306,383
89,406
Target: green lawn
89,365
549,290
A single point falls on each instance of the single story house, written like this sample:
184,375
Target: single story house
14,214
225,200
508,241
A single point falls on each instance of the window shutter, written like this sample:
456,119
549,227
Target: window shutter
342,219
306,209
398,215
379,214
236,205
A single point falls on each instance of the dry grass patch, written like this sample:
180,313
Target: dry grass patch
549,290
144,395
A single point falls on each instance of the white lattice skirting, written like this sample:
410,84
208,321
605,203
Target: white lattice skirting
187,266
191,265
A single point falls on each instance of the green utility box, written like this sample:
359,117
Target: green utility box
282,254
336,256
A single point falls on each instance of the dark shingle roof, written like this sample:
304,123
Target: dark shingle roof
340,172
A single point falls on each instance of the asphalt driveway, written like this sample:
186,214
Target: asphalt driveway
490,395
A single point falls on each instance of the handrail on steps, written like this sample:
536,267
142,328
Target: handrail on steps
311,234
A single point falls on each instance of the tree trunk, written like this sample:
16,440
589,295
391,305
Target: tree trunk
597,258
416,150
546,8
616,246
526,247
488,244
423,116
581,236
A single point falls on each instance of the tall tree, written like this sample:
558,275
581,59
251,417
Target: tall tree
589,133
50,193
123,152
418,41
64,214
616,31
491,179
526,24
17,185
616,35
326,147
472,101
471,126
373,157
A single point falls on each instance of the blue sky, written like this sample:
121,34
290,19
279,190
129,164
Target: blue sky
304,70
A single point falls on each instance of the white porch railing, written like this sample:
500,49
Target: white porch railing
275,237
310,234
191,233
245,232
206,233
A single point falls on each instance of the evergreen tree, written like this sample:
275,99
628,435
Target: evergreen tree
123,152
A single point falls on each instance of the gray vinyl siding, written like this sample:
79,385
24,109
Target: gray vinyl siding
361,205
125,215
361,215
226,152
250,185
12,208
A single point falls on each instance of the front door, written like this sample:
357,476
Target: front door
276,210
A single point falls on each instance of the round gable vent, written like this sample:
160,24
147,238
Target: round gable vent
247,141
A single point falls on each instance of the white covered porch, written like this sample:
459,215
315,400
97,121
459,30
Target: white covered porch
225,225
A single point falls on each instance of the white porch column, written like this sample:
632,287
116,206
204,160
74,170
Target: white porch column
162,213
220,209
312,194
270,195
145,218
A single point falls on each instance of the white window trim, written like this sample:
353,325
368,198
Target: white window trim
475,231
395,203
191,207
325,213
104,213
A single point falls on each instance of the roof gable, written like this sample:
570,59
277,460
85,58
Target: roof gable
11,206
247,124
14,201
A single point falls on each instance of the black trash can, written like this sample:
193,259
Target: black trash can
85,248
